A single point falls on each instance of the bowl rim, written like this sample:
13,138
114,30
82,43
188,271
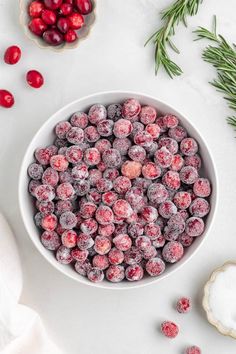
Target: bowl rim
38,40
21,195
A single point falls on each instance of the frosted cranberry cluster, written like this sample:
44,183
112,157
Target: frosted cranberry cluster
120,192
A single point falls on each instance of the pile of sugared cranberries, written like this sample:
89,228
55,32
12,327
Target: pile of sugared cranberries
57,21
120,193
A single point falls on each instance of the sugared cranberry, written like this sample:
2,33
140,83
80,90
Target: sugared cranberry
171,180
152,230
202,187
149,214
59,162
122,208
35,79
183,305
68,220
182,200
100,261
131,108
53,37
155,267
194,226
84,241
134,272
37,26
122,242
178,133
63,255
89,226
92,157
169,329
44,193
188,174
12,55
151,171
122,128
177,162
50,176
79,255
131,169
95,275
84,6
194,161
102,245
83,268
163,157
104,127
6,99
170,121
71,36
53,4
69,238
199,207
104,215
115,273
157,193
50,240
111,158
188,146
173,251
143,138
193,350
185,239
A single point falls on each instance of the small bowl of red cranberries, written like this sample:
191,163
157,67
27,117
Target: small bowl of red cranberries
57,24
118,190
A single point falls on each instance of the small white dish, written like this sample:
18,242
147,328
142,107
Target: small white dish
219,299
45,136
83,33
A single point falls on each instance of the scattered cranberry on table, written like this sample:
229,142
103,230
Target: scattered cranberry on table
183,305
35,79
6,99
57,21
12,55
193,350
117,200
169,329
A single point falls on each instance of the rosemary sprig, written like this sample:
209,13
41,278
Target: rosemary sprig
172,16
223,57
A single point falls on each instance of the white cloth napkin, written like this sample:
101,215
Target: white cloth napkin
21,329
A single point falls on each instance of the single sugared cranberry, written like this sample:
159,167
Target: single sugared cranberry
63,24
122,242
102,145
37,26
84,241
45,208
100,261
131,169
152,230
163,157
183,305
193,350
188,146
69,238
53,4
49,222
106,230
102,245
116,256
134,272
35,8
148,115
171,180
178,133
157,193
169,329
111,174
49,17
159,242
173,251
59,162
92,156
84,6
104,185
170,121
94,176
6,99
154,130
95,275
79,172
35,171
50,240
68,220
50,176
111,158
91,134
122,144
89,226
115,273
143,138
105,127
135,230
169,143
194,226
177,162
87,210
137,127
76,20
74,154
63,255
104,215
175,226
35,79
66,9
202,187
12,55
149,253
142,242
97,113
131,108
122,184
151,171
155,267
188,175
44,193
79,119
149,214
75,135
185,239
53,37
194,161
71,36
137,153
33,185
93,196
122,128
161,124
122,208
109,198
79,255
65,176
114,111
182,200
199,207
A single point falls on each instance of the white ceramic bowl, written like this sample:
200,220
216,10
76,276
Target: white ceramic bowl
45,136
83,32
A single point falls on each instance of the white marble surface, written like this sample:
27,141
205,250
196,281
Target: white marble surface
92,321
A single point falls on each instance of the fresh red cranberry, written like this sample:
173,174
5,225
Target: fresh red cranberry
76,20
53,37
37,26
35,79
35,8
49,17
53,4
84,6
63,24
12,55
70,36
169,329
6,99
65,9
